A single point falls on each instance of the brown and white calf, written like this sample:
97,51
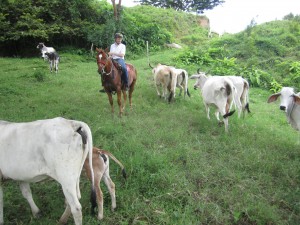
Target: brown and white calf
100,161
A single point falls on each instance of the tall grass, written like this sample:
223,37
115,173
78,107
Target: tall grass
182,168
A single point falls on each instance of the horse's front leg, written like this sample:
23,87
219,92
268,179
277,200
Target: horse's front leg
119,96
110,101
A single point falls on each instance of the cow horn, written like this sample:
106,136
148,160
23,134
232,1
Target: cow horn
151,66
198,70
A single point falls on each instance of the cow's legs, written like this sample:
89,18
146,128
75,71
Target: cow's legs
111,188
1,202
67,213
217,114
99,195
157,89
56,65
73,203
26,192
207,111
223,112
51,65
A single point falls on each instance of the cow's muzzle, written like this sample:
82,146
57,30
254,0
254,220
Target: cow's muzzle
282,107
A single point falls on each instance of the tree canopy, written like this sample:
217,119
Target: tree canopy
184,5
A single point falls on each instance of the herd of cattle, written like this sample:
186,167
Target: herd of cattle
222,92
58,148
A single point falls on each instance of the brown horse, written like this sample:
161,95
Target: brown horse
111,74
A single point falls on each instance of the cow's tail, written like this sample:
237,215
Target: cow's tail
245,96
173,79
86,134
115,159
231,93
186,78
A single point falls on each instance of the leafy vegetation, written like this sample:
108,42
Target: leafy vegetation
193,5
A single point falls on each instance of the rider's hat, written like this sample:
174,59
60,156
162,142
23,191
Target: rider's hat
118,35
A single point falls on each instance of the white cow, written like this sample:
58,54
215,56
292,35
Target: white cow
43,48
54,148
181,81
287,103
220,93
241,85
164,76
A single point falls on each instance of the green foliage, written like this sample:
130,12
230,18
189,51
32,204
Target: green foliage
194,5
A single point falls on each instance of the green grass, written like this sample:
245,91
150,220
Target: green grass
182,168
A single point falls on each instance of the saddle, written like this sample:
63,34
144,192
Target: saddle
117,65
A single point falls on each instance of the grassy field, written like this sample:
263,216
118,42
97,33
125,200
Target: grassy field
182,168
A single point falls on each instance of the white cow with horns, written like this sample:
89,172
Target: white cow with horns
289,103
219,92
242,88
34,151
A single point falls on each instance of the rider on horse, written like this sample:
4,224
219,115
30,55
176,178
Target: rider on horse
117,52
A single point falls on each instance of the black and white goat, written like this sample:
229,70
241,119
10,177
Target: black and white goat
53,58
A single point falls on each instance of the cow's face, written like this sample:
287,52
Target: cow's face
201,79
40,46
286,99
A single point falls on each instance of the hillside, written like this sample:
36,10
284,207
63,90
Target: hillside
266,54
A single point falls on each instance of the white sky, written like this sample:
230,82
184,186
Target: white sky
234,15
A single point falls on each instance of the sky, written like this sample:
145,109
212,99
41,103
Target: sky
235,15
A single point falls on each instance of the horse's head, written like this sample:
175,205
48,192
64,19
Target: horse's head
102,59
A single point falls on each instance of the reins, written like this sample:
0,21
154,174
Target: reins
105,64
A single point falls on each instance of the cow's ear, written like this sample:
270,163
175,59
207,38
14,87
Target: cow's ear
273,98
296,99
106,50
97,49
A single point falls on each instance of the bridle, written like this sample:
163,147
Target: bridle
103,72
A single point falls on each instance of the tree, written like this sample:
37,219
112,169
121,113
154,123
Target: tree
117,8
184,5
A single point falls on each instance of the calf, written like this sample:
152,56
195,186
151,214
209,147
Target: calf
287,104
164,76
181,81
101,170
53,60
242,90
34,151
